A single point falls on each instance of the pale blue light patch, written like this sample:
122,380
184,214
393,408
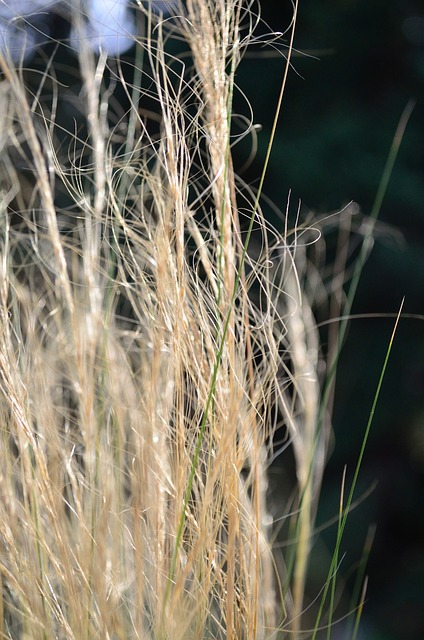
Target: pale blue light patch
10,9
109,25
19,43
23,26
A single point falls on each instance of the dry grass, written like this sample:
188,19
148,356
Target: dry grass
146,359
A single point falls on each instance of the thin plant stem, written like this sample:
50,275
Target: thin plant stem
342,526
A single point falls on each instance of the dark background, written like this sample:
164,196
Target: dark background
339,116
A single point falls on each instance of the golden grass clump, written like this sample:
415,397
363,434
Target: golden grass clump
147,353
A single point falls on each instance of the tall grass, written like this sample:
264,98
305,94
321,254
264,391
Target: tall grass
150,347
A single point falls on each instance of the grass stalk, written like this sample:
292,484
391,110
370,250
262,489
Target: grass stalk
347,507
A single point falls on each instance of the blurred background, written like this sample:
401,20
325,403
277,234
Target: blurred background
342,105
358,66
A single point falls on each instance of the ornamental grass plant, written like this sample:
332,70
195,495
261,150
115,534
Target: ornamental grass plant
158,346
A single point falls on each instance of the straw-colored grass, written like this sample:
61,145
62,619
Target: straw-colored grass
147,355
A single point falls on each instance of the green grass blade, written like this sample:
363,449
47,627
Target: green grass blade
342,525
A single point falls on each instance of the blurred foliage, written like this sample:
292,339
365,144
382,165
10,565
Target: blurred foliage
361,64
